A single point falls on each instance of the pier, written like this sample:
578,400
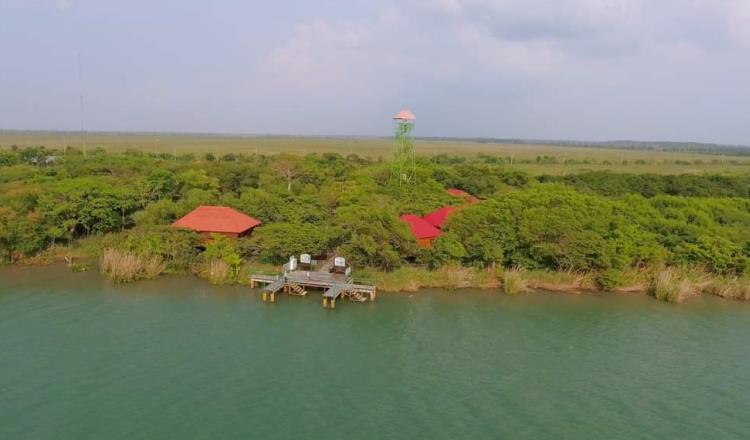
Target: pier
333,276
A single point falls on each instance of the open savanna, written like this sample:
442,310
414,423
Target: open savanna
523,156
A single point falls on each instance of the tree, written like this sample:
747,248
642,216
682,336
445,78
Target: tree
447,250
288,167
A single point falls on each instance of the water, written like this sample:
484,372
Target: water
177,358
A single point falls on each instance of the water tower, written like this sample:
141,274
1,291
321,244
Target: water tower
404,165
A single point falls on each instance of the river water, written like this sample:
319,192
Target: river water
178,358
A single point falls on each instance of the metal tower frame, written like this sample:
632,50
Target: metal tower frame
404,168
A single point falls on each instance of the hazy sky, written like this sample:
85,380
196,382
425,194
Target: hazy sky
561,69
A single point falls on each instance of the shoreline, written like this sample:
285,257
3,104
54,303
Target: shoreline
411,280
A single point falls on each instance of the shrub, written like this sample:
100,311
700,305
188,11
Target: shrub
609,279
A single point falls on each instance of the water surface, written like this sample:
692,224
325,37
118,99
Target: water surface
178,358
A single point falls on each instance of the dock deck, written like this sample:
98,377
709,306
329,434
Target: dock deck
296,282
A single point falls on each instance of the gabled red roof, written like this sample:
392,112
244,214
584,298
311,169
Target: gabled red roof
216,219
420,228
437,217
461,193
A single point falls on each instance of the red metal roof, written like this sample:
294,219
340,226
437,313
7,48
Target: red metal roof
420,228
437,217
457,192
461,193
216,219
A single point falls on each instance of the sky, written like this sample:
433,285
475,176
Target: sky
565,69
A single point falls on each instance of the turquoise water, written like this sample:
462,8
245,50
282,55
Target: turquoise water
177,358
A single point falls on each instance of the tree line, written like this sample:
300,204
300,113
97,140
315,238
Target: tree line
320,203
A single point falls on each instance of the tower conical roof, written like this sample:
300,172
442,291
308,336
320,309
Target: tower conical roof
404,115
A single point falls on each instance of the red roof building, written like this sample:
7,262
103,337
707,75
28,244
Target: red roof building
461,193
424,232
217,220
438,217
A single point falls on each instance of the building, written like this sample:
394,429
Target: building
438,217
223,220
463,194
424,232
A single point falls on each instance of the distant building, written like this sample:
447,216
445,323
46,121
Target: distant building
217,220
428,228
438,217
461,193
424,232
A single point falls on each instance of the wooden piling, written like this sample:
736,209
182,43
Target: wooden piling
325,302
264,296
273,297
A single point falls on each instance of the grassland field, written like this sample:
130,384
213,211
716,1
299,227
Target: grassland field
523,156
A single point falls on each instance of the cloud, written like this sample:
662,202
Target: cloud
319,52
63,5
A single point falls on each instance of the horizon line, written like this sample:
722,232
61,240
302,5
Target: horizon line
477,139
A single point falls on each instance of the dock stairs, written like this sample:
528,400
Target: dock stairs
296,289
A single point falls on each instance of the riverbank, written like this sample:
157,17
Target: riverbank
668,284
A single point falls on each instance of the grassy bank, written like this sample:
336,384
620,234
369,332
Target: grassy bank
669,284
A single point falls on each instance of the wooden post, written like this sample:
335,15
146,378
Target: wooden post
325,302
273,297
372,295
252,283
264,296
333,303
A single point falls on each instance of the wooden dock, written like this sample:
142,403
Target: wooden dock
297,282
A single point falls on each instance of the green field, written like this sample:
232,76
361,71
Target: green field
560,159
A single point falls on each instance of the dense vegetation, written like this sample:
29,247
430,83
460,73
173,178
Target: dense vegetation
650,185
597,222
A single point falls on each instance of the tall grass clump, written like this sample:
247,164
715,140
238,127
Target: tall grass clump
125,267
219,272
454,277
667,285
513,281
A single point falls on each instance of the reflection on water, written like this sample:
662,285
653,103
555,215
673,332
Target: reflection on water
178,358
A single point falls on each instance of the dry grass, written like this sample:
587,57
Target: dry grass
732,288
514,281
124,267
565,281
670,285
219,272
660,162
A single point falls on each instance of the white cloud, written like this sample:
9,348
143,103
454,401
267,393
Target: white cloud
318,52
63,4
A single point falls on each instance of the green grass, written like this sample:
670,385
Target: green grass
661,162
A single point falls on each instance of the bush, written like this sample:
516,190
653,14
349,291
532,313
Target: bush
609,279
